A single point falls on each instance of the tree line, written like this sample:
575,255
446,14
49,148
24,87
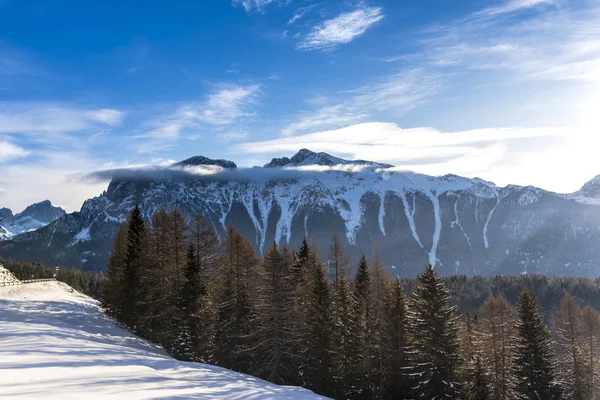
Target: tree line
89,283
292,318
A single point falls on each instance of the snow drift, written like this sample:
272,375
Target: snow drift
56,343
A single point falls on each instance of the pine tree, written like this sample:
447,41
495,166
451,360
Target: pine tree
318,367
112,289
434,332
534,362
566,320
361,334
396,383
497,322
236,299
133,266
276,335
589,326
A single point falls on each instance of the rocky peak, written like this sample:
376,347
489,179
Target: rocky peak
308,157
591,189
43,212
201,160
6,215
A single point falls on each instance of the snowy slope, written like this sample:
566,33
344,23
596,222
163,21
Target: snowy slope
55,343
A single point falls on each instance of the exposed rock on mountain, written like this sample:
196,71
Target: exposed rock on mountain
33,217
463,226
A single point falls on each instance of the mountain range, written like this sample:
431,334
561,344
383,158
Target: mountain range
461,225
33,217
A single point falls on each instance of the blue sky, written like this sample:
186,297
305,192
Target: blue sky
506,90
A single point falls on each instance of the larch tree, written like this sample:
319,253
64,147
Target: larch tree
571,364
534,363
236,302
589,328
496,322
435,359
379,341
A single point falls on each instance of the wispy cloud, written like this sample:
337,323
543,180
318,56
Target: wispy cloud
551,43
341,29
36,118
254,5
300,13
227,105
396,95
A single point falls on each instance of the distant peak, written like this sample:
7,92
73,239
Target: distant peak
201,160
307,157
591,189
43,211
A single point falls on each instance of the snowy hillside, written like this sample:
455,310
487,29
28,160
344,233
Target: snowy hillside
55,343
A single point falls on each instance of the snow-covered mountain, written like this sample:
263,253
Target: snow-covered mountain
56,344
464,226
33,217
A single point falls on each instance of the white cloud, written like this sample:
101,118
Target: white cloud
395,95
251,5
300,13
35,118
341,29
227,105
556,43
502,155
10,151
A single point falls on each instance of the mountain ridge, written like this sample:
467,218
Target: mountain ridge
461,225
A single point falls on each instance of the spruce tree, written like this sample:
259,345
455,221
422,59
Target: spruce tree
276,335
132,268
396,383
534,361
112,289
317,366
435,346
361,335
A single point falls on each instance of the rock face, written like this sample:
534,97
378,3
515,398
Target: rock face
463,226
33,217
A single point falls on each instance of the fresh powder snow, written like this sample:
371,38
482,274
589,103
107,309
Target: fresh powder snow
57,344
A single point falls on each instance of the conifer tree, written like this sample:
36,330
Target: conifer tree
479,388
379,340
276,335
236,300
360,335
133,265
396,382
113,285
435,345
571,365
534,361
318,367
497,323
589,325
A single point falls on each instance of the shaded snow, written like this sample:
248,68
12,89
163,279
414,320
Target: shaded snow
487,222
83,235
57,344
